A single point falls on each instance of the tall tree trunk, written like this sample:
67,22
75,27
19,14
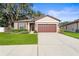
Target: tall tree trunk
9,26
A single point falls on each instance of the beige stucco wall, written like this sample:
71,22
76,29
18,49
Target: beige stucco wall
16,25
26,25
46,20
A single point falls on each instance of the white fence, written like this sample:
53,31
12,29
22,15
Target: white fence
2,29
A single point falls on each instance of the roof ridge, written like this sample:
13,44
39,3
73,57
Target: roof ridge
53,17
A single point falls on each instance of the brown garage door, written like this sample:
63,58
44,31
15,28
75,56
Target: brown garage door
46,27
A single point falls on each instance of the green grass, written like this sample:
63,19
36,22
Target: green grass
72,34
17,39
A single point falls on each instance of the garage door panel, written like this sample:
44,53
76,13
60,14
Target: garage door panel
46,27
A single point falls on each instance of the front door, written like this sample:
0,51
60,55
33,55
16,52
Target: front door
32,26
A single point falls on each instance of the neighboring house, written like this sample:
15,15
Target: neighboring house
40,24
72,26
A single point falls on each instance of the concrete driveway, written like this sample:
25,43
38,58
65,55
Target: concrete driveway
55,44
49,44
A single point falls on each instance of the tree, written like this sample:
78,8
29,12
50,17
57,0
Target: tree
11,12
36,14
64,23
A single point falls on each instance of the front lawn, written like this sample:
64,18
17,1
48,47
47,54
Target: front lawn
16,39
72,34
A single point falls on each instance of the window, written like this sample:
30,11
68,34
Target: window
22,25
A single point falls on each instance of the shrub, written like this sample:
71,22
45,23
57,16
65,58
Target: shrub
19,31
24,32
77,30
35,31
14,30
61,30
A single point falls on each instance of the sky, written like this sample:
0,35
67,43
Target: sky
62,11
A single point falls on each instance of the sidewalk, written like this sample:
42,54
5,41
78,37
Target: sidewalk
18,50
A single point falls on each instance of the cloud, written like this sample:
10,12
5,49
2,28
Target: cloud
65,14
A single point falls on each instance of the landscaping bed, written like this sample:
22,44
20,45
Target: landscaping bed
17,39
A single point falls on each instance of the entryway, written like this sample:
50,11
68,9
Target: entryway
32,26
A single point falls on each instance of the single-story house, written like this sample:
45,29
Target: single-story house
43,23
72,26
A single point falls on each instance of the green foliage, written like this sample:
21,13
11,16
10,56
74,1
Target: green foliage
36,14
64,23
35,31
3,23
20,30
12,11
61,30
72,34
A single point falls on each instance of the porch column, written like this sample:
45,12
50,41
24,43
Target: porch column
28,26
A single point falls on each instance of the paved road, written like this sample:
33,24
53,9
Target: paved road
49,44
55,44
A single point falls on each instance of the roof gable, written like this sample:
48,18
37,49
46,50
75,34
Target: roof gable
46,16
47,19
53,18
